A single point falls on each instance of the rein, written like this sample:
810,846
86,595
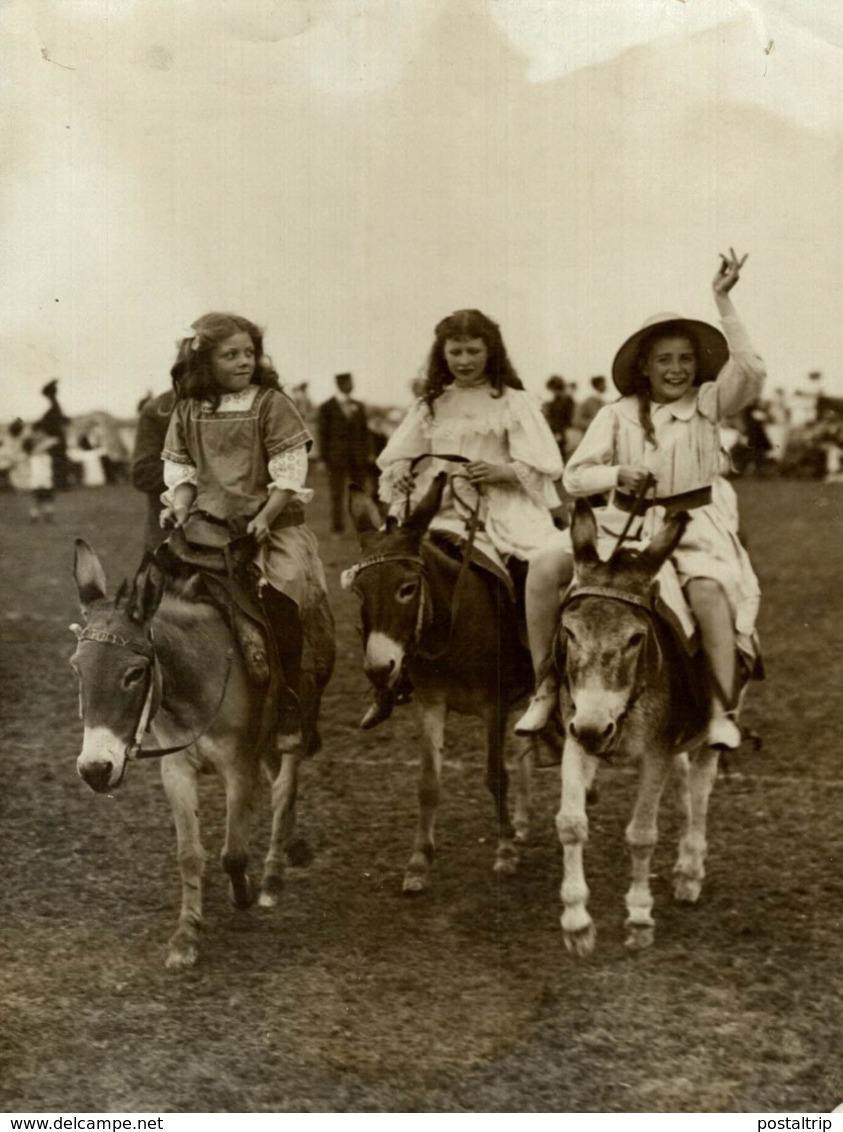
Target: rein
146,648
639,506
472,527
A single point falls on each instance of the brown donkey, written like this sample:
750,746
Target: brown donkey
462,654
148,657
626,690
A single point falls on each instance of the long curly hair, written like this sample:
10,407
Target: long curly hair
468,324
677,329
192,373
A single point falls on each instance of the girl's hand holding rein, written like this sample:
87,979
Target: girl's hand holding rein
259,528
479,471
632,477
728,273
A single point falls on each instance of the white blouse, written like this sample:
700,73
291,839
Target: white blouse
510,429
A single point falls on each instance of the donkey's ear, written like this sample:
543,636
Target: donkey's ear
89,574
427,507
665,542
147,589
584,534
363,510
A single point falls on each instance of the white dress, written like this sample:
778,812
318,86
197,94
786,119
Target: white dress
687,457
509,429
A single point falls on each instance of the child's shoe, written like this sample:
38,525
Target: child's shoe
724,732
380,710
540,708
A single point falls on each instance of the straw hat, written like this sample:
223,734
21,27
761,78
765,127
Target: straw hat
713,350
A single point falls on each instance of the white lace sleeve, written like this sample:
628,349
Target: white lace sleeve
174,476
536,484
288,471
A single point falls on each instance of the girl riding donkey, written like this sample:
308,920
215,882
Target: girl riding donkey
236,453
678,378
475,406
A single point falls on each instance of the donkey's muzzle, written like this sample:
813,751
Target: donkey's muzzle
595,739
97,775
382,661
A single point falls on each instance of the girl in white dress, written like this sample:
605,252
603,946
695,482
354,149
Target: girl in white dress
678,378
474,405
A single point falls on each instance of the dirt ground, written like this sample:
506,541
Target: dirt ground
349,997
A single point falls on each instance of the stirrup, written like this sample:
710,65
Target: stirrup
724,733
539,710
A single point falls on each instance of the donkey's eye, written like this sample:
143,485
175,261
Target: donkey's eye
635,640
407,591
134,676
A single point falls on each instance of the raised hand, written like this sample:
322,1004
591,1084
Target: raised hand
728,273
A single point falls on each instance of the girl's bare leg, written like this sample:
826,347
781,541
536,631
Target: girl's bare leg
550,571
711,609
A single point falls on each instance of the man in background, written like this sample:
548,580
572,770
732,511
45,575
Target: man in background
54,424
147,465
559,411
590,406
344,446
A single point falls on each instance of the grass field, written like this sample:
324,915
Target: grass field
349,997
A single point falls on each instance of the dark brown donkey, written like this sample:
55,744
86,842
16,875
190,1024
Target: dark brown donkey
627,690
462,656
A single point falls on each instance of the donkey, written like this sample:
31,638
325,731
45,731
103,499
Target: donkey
149,657
626,689
455,631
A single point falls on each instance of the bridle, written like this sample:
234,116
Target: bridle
473,525
350,576
145,647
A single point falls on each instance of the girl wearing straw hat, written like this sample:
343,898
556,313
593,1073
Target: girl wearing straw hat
678,378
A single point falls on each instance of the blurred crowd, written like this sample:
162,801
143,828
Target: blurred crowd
54,453
798,434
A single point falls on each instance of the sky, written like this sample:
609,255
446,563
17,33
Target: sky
348,172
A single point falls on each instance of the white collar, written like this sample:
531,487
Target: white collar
682,410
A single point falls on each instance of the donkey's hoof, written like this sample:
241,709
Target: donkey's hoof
522,833
506,861
415,883
242,893
639,937
687,890
272,886
581,942
181,955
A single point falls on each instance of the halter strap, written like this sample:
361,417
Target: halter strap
348,576
143,647
135,749
610,592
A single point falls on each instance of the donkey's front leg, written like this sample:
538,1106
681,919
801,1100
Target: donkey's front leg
284,792
524,762
241,778
181,787
433,715
641,837
696,778
578,770
497,781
